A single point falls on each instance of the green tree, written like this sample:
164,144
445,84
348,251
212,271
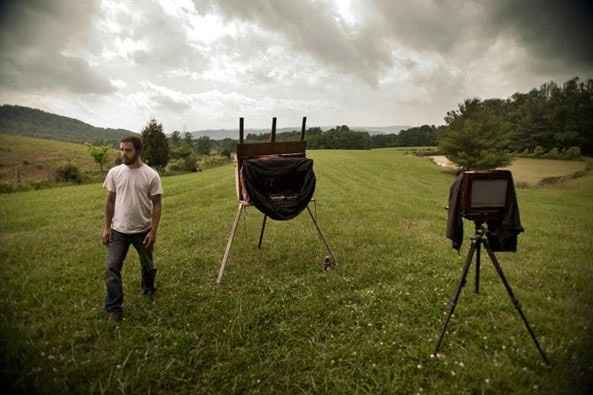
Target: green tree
553,116
188,139
416,137
476,137
175,138
100,153
203,145
156,145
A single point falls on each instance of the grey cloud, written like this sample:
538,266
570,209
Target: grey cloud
426,25
34,35
169,104
169,44
549,29
311,28
44,71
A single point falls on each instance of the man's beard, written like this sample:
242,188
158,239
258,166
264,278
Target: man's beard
130,161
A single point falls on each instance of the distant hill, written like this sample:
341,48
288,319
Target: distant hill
26,121
219,134
382,129
31,122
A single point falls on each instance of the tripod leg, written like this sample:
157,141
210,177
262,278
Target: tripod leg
462,279
321,236
515,301
229,243
261,234
478,256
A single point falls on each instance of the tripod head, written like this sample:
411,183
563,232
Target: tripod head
481,230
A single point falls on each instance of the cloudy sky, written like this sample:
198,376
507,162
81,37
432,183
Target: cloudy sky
200,64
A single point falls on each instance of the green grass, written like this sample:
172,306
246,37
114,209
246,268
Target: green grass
530,172
31,163
279,324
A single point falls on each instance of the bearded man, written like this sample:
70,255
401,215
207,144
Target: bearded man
132,216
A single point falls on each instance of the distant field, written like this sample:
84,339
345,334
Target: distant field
28,158
531,172
278,323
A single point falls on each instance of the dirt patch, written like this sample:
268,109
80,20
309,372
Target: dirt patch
443,161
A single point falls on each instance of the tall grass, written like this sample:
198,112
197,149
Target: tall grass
278,323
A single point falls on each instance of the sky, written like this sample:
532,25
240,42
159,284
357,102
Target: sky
202,64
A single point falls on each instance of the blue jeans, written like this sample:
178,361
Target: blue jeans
117,249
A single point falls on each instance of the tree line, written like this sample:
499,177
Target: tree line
553,119
342,137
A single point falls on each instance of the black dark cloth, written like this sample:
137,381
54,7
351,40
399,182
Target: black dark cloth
502,235
280,187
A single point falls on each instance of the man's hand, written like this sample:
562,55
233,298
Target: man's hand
150,238
106,237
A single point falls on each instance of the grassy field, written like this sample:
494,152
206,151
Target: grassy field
38,158
26,162
279,324
531,172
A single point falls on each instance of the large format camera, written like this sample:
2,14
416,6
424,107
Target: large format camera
485,194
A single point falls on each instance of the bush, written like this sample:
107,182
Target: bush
22,186
190,163
209,162
538,152
572,153
69,173
553,154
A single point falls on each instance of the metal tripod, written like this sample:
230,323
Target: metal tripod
477,241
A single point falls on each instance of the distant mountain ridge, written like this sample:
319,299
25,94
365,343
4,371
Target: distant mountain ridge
31,122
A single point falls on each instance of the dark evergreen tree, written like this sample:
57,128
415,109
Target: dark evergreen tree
476,138
156,145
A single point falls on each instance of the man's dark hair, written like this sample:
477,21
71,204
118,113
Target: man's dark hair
137,141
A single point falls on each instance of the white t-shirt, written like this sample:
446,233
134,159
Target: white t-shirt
133,189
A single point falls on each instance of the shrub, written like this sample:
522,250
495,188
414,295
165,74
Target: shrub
190,163
572,153
538,152
69,173
553,153
208,162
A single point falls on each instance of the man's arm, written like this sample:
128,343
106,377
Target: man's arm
109,210
157,208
